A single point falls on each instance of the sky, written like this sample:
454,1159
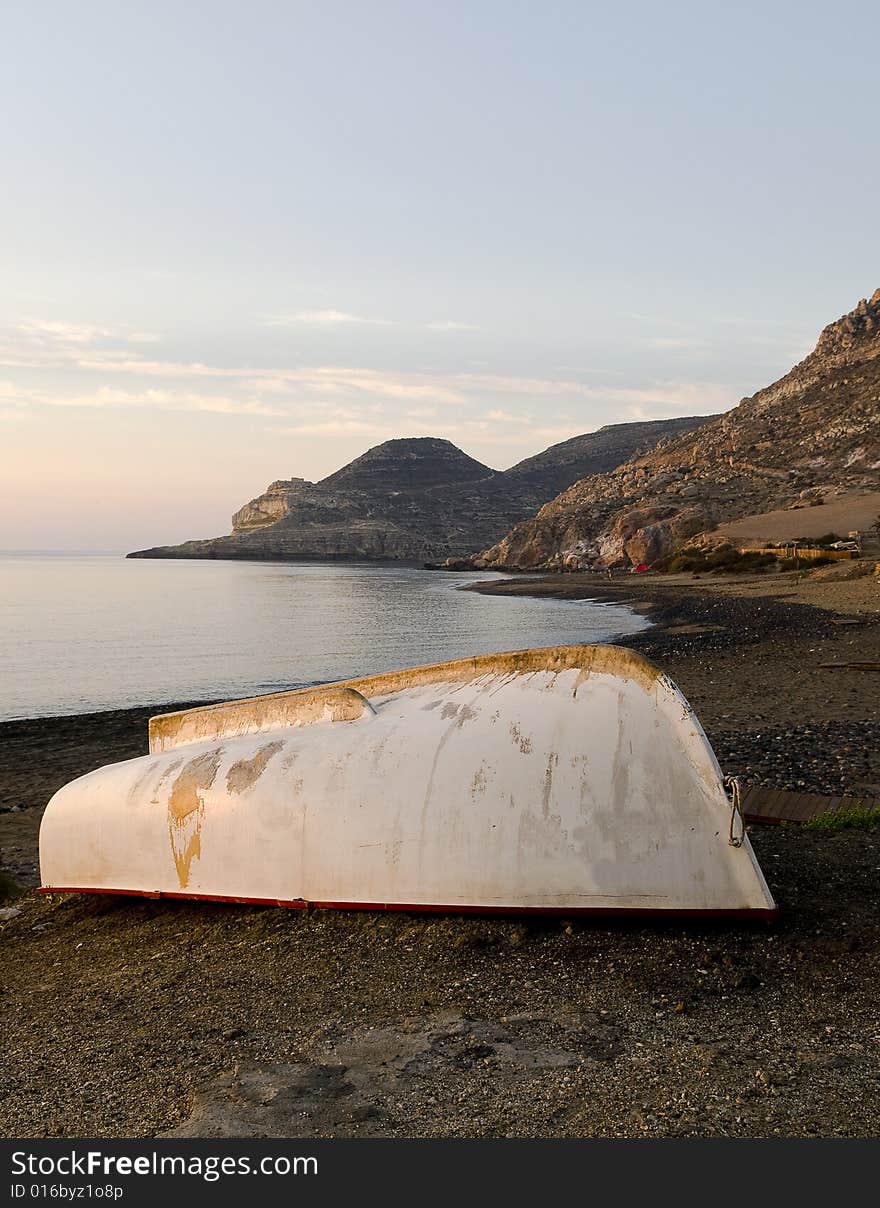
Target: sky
244,242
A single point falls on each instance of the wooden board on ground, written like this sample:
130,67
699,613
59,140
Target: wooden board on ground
782,805
858,665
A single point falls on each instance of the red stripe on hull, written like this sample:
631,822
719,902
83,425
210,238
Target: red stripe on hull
425,908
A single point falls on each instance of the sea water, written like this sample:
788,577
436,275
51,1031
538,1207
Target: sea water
84,632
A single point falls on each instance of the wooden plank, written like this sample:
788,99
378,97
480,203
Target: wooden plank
760,805
861,665
770,806
807,805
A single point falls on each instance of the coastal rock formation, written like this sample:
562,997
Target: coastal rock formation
809,438
416,499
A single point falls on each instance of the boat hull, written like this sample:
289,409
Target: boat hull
568,780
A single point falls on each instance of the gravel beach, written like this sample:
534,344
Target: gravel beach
138,1018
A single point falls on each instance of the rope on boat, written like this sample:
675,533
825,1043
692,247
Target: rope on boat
732,786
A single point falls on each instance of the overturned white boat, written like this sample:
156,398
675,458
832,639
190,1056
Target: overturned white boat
571,779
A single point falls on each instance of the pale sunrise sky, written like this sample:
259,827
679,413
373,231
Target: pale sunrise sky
243,242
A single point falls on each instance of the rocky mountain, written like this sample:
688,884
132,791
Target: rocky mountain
595,452
416,499
814,434
408,465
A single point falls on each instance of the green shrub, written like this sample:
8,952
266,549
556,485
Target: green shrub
816,542
725,560
721,557
685,560
838,820
739,564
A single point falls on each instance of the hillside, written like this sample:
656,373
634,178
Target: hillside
413,465
415,499
813,435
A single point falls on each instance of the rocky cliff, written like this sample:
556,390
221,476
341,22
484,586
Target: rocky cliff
814,434
415,500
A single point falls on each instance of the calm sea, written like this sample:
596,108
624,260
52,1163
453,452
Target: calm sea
82,632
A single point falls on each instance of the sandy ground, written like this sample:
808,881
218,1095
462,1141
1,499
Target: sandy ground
840,514
747,651
851,589
125,1018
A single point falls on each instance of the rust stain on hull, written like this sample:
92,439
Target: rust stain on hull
186,807
521,740
246,772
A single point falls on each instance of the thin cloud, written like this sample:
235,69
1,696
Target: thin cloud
161,400
705,396
676,343
123,362
318,318
343,318
429,388
503,384
66,333
698,397
319,379
270,385
11,361
660,320
398,386
55,332
471,406
500,416
332,427
449,325
168,400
